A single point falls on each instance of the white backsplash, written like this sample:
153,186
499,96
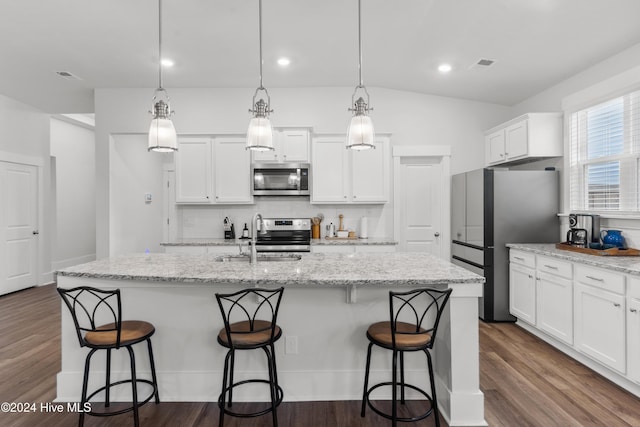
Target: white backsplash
206,221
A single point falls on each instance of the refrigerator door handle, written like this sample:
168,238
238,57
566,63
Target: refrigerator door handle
466,261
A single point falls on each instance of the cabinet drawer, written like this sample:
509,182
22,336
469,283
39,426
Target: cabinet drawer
554,266
523,258
603,279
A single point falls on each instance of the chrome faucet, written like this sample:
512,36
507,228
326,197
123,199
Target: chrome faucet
254,235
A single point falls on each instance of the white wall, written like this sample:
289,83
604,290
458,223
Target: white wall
25,139
73,188
136,225
410,118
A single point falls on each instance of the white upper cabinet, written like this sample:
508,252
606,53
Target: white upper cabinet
329,171
339,175
193,170
533,136
290,145
231,170
213,170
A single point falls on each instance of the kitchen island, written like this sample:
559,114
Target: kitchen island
328,303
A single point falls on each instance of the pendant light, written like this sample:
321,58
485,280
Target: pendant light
260,133
360,135
162,134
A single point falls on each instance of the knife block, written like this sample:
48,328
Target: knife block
230,234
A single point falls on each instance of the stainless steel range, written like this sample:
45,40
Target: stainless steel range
285,235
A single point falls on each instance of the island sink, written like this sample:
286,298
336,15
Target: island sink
247,258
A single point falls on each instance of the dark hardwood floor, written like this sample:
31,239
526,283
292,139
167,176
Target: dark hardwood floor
525,381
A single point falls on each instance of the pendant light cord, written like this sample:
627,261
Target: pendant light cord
160,43
260,31
359,44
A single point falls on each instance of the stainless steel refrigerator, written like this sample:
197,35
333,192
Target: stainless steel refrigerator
493,207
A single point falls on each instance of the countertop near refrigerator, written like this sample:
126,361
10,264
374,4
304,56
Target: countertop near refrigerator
314,242
624,264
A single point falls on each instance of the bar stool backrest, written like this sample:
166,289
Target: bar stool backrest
420,308
93,308
259,307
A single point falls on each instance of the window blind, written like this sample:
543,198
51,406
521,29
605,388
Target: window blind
604,156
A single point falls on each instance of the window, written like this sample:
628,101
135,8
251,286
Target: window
605,156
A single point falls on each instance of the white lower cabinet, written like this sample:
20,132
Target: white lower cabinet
600,325
580,308
555,306
522,295
633,339
633,328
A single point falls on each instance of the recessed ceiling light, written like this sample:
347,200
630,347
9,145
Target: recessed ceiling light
283,62
167,63
445,68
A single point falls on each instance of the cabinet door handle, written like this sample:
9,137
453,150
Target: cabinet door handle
552,267
597,279
633,310
615,304
530,276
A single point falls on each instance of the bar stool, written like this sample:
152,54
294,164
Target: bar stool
249,319
88,306
412,326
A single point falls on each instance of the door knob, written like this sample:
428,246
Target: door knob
436,234
34,232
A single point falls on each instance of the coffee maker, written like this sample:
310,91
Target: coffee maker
584,230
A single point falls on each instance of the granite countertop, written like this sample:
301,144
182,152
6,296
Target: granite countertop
411,269
624,264
314,242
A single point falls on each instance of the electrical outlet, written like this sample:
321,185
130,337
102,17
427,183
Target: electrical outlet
291,344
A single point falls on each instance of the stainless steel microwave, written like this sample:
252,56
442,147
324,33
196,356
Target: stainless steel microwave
280,179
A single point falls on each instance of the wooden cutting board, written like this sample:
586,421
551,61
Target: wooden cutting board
565,246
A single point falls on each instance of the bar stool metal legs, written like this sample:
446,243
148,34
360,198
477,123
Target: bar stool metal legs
243,331
88,304
421,309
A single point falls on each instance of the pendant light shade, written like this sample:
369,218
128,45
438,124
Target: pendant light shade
162,133
360,135
260,133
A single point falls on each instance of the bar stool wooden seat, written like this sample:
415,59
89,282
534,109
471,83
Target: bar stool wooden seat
414,318
249,317
90,308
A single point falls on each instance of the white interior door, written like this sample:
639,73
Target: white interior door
420,209
18,226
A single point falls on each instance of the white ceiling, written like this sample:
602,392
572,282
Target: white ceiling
113,44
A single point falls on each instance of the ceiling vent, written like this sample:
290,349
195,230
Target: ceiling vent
482,64
67,75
